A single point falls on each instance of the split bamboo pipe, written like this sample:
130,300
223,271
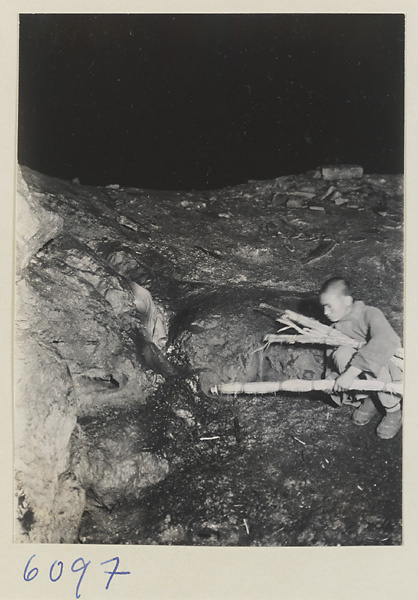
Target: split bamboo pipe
302,385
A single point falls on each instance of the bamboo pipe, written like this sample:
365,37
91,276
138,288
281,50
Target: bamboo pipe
308,338
305,385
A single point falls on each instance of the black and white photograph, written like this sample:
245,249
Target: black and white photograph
209,280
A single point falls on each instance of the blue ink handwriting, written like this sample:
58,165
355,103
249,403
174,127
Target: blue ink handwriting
78,566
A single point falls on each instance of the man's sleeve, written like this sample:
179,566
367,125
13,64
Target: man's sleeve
381,345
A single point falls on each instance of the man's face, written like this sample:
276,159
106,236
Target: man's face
335,305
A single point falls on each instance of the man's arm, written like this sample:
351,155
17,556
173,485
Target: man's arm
381,346
344,381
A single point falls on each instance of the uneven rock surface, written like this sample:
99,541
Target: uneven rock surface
131,304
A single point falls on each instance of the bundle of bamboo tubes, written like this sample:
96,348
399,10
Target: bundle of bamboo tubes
311,331
303,385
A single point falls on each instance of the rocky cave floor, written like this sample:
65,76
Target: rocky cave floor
281,472
284,470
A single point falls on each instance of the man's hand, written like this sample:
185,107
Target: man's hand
330,388
344,381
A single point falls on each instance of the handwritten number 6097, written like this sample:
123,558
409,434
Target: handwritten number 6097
57,568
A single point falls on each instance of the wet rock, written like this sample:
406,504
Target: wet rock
339,201
295,363
297,202
357,239
323,248
186,415
306,192
334,196
172,535
282,183
230,349
333,172
127,223
279,199
36,224
49,500
318,208
153,317
113,468
328,193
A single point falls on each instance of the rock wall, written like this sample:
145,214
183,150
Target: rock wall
81,340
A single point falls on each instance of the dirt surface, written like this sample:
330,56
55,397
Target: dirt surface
285,470
279,471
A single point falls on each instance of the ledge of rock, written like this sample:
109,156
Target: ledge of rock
36,224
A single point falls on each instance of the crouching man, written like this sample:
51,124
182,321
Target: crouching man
374,359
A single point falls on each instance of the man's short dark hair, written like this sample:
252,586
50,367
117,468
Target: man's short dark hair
338,285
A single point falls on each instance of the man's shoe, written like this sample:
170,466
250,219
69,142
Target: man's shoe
365,413
389,425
